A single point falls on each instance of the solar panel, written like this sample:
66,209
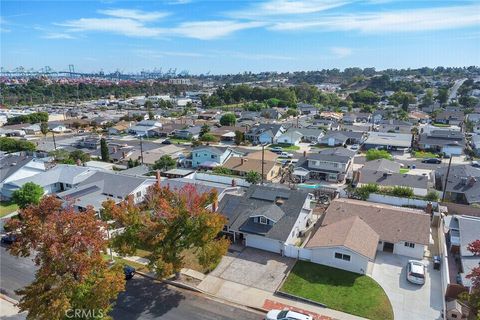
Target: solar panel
83,192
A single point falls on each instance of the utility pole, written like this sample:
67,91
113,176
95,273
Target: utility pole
446,179
141,148
54,142
263,158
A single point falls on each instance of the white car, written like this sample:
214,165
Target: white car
286,155
354,147
416,272
286,315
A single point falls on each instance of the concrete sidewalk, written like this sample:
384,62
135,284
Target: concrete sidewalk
256,298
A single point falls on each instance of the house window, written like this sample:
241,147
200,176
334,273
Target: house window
342,256
335,165
213,156
139,194
263,220
410,244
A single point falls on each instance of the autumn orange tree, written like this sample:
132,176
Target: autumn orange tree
72,275
170,222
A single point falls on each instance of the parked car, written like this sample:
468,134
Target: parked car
432,160
286,155
8,239
286,315
129,272
354,147
475,164
276,149
416,272
166,142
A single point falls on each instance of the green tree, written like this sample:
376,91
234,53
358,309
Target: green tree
374,154
204,130
104,151
253,177
14,145
442,95
79,155
208,137
171,222
164,163
29,193
228,119
427,99
44,128
432,196
239,137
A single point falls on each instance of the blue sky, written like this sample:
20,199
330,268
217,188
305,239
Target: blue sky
236,36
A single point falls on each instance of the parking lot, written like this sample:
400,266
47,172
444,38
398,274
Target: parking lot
254,268
409,301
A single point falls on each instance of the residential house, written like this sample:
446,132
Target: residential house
120,127
341,138
352,231
264,133
292,137
330,115
378,116
226,133
33,129
474,119
463,184
419,117
267,218
386,173
253,162
475,143
354,117
388,141
270,113
59,178
329,164
394,126
448,142
460,231
307,109
188,133
209,157
145,128
88,142
450,117
102,186
57,127
327,125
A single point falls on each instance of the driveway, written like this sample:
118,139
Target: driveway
254,268
409,301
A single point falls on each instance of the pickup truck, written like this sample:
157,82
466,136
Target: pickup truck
286,155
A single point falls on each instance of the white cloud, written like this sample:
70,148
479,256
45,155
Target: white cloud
341,52
393,21
208,30
57,35
3,22
154,54
127,27
135,14
287,7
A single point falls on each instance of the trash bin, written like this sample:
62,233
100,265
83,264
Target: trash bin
436,262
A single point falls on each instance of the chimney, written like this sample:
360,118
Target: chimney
215,205
304,153
358,176
124,155
234,183
157,174
242,161
471,181
114,149
429,208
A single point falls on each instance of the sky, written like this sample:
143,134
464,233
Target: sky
237,36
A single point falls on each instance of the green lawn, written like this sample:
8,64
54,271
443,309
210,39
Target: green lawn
404,170
177,140
7,207
340,290
138,266
424,154
285,147
440,125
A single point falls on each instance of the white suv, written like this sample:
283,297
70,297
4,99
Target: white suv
286,315
416,272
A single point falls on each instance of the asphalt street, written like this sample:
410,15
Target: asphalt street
143,299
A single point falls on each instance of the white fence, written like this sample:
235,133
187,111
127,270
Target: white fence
443,252
297,252
396,201
218,179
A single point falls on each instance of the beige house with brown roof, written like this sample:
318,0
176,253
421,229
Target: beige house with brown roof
352,231
242,165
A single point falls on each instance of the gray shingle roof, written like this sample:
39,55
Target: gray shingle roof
259,200
393,179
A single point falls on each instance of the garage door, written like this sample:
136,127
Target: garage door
263,243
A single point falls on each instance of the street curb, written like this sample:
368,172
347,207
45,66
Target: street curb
191,288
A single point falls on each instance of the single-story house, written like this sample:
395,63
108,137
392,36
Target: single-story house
242,165
267,218
388,141
208,156
351,231
463,184
264,133
449,142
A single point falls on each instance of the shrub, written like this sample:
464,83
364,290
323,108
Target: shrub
432,196
222,170
399,191
364,191
374,154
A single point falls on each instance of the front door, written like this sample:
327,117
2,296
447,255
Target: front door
388,247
